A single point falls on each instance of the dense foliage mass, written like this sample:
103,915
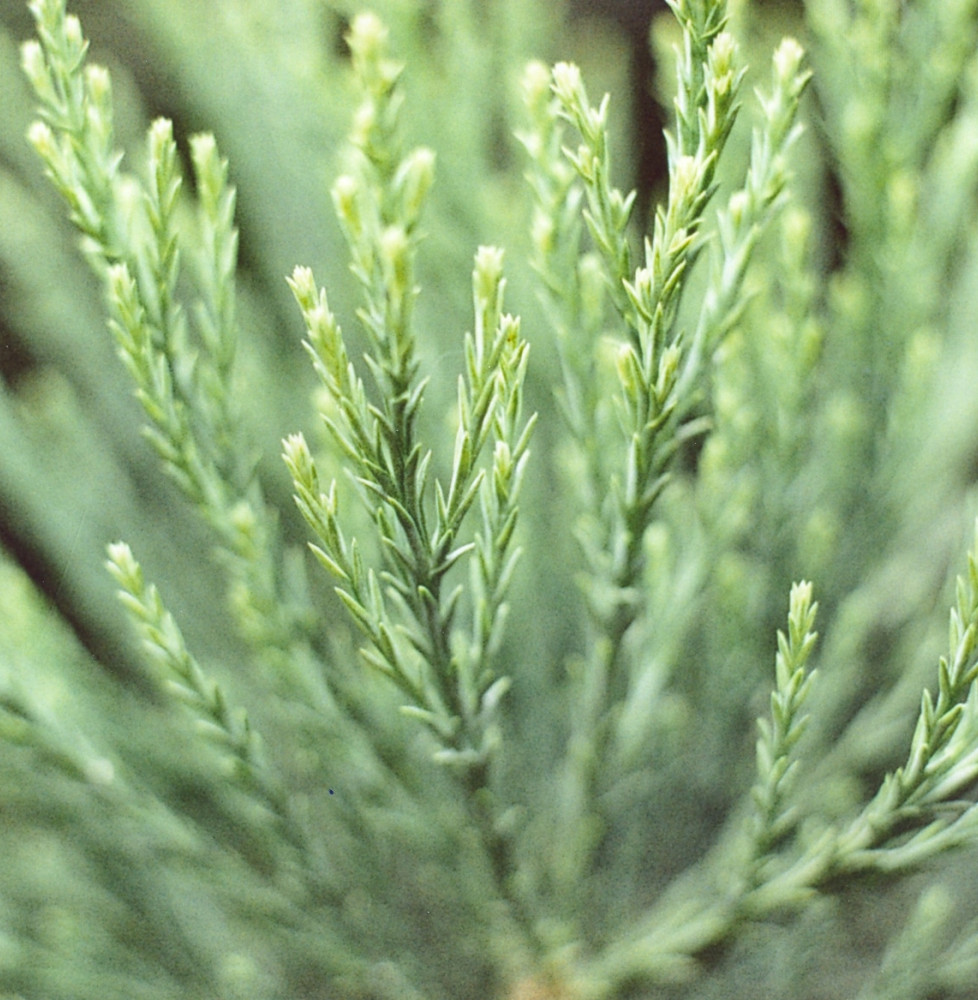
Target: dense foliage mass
348,654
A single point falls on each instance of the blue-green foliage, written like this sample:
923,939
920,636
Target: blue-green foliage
487,689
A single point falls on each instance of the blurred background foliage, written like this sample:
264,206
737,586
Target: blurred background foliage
845,451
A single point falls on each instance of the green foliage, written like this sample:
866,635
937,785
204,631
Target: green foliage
469,717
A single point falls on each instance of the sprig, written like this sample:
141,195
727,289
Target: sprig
135,234
776,763
651,359
916,812
403,607
749,210
399,589
74,137
702,22
182,675
660,377
913,817
924,794
572,285
608,209
215,312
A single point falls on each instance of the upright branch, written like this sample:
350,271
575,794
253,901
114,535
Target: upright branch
776,762
399,589
183,679
926,795
652,355
651,418
917,813
181,360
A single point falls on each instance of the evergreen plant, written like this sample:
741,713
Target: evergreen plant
509,687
